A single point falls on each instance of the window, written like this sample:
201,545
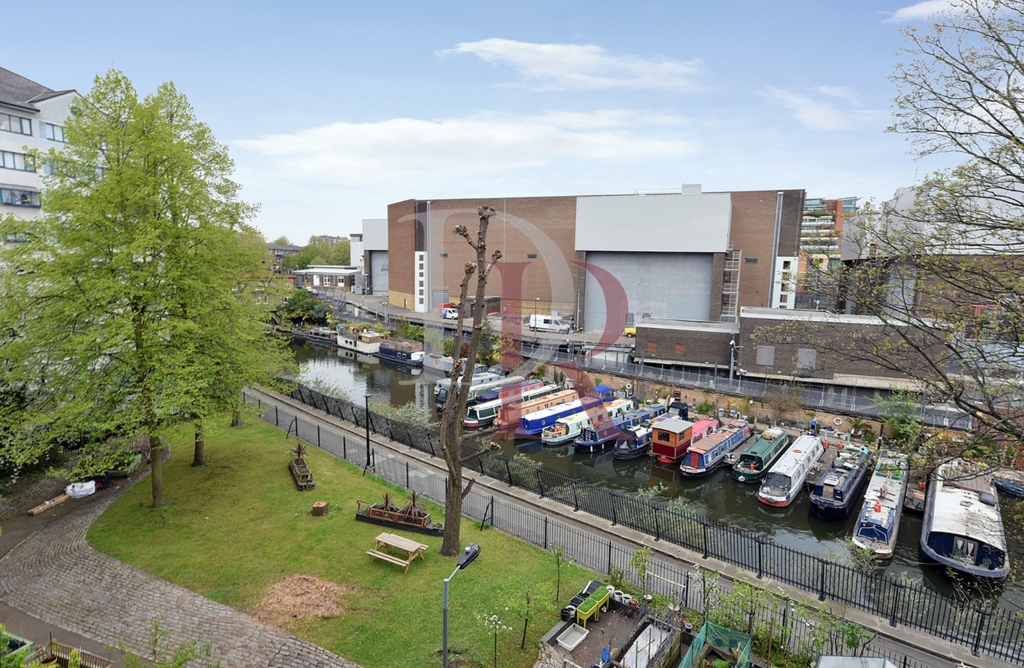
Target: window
15,124
444,254
19,197
53,132
765,356
663,436
750,260
531,256
783,298
652,346
9,160
680,349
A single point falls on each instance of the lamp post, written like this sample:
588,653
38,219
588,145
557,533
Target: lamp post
471,552
536,308
732,357
366,400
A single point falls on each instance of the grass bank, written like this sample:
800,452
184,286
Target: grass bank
231,529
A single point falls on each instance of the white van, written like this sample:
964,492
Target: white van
549,323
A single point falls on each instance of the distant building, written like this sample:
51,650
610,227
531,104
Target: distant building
324,279
375,255
821,238
31,117
603,261
326,239
279,252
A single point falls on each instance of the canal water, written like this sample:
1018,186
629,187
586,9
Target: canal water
718,496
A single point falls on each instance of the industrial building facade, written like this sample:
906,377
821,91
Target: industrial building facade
602,261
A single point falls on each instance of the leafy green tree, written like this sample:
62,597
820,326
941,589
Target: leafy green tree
138,275
281,241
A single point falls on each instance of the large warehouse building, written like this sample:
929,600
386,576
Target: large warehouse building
602,261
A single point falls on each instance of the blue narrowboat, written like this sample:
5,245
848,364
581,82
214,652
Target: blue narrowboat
836,490
633,442
400,351
879,521
598,438
532,424
708,454
963,529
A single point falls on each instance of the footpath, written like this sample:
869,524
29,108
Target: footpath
918,648
52,581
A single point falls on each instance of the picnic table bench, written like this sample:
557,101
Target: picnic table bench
411,548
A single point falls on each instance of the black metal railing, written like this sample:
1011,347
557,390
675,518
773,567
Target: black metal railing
991,630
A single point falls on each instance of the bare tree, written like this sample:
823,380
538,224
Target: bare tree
455,406
941,267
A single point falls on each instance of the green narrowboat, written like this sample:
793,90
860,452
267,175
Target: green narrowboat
753,461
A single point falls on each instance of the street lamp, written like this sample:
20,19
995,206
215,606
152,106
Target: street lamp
471,552
366,399
732,357
536,307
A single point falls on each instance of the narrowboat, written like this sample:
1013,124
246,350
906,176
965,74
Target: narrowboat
633,442
593,413
510,414
596,438
672,436
835,491
879,521
709,454
963,529
503,387
443,386
319,335
363,342
532,424
483,413
784,480
400,351
1013,488
754,460
444,364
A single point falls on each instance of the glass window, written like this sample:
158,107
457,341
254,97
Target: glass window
15,124
10,160
53,132
19,197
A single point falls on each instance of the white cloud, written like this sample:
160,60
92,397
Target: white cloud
582,66
817,113
920,10
841,92
485,143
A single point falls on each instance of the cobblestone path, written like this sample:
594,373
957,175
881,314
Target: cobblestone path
56,576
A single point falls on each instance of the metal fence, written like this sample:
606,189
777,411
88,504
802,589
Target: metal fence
982,629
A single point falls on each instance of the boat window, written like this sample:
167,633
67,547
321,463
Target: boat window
663,436
777,480
964,549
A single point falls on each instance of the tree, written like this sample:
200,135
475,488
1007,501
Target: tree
942,265
281,241
455,406
135,278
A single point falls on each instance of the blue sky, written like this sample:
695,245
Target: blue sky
333,110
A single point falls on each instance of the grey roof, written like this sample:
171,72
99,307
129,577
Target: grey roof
17,91
284,247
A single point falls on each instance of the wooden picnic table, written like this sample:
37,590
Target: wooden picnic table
390,541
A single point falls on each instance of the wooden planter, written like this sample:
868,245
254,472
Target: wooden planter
301,473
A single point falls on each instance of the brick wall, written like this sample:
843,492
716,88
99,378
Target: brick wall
753,232
689,347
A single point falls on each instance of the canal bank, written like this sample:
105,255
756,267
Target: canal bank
717,497
416,469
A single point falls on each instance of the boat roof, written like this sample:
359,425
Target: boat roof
554,410
674,424
713,440
766,441
803,447
584,414
958,509
884,488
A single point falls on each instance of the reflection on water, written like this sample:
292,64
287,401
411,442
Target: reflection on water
717,496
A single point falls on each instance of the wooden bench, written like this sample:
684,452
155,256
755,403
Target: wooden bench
387,557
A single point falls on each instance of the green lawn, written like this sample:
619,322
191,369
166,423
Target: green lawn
234,527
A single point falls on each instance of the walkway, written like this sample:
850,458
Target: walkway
56,577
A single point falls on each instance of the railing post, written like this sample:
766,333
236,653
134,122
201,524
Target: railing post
821,587
609,557
540,484
575,498
760,557
276,421
895,604
508,470
344,447
982,626
407,475
545,532
615,516
318,435
704,526
657,522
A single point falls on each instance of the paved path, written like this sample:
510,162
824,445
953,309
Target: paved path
55,576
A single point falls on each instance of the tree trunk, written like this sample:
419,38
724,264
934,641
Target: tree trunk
199,458
236,418
156,450
451,544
